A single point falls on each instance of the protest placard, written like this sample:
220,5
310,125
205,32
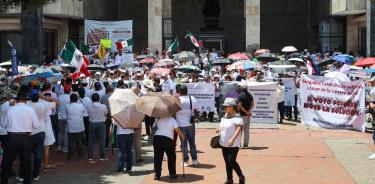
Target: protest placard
331,103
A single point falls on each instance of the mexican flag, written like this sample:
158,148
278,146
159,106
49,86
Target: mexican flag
72,55
122,44
173,48
193,40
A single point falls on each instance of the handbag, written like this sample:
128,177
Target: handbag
150,139
192,118
215,142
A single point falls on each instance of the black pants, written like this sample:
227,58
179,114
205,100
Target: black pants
280,107
164,144
75,142
219,108
295,110
149,122
210,116
55,126
17,144
230,157
108,123
87,127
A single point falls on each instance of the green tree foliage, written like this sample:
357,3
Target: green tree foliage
5,5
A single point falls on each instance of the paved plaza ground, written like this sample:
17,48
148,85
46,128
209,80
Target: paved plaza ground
289,154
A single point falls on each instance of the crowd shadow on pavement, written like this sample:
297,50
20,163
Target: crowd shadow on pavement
189,178
257,148
141,173
203,166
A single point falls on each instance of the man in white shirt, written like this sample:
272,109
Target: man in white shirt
183,118
166,84
97,116
119,58
62,140
19,122
41,108
75,125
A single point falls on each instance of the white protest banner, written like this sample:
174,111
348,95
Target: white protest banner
331,103
265,102
205,95
128,58
110,30
290,92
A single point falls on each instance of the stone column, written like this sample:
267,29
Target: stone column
252,16
155,32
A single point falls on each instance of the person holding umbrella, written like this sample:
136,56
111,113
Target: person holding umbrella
230,129
163,142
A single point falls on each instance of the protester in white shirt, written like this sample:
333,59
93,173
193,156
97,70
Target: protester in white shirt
119,58
97,116
230,129
125,138
62,137
86,102
183,118
76,127
42,109
163,142
166,84
19,122
99,88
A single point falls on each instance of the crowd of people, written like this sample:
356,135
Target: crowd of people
72,113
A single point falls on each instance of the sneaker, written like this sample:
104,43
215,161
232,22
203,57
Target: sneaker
245,146
195,162
186,164
59,148
19,179
372,157
65,150
120,170
92,161
103,159
36,178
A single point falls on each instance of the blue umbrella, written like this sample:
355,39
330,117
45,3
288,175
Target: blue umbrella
344,58
370,70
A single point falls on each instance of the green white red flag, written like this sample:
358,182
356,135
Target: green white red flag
193,40
72,55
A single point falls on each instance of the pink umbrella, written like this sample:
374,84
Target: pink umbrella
365,62
261,51
148,60
159,71
239,56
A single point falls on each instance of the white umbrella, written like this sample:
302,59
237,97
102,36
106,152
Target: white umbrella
289,49
123,109
337,75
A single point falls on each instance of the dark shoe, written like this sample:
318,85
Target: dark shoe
128,171
229,182
173,176
156,177
120,170
242,179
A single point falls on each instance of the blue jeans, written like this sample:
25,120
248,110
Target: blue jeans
125,142
189,133
37,150
96,130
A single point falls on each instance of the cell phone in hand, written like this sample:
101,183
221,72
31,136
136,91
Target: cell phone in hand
47,94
